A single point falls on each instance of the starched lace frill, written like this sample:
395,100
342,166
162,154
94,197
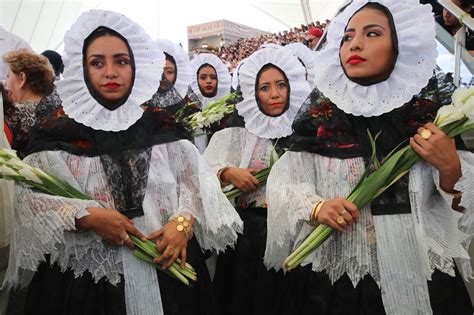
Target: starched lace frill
78,103
416,61
256,121
184,75
223,77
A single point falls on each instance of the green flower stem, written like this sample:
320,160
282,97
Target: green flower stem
178,275
395,166
261,175
150,249
315,241
146,258
53,185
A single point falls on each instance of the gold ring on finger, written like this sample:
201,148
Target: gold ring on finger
170,251
340,220
126,238
426,134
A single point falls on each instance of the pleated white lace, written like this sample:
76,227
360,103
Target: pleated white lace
237,147
399,251
179,181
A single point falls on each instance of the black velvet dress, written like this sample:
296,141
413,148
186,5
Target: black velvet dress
242,283
54,292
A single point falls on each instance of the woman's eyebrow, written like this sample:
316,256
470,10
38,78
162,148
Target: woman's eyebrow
366,27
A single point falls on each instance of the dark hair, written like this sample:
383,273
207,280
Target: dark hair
165,84
8,107
170,58
381,8
466,3
37,69
214,93
259,74
100,32
55,60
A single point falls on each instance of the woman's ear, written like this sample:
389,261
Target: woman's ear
22,77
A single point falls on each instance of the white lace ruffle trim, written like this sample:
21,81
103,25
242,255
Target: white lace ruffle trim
415,64
256,121
77,101
184,75
223,77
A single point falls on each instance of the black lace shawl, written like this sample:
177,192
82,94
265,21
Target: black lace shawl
22,120
125,155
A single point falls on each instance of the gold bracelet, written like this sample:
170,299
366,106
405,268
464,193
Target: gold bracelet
314,213
183,225
318,208
311,215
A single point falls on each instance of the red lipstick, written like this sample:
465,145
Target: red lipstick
111,85
355,60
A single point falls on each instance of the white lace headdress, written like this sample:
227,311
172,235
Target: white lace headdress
78,103
307,57
235,75
223,77
256,121
184,75
415,27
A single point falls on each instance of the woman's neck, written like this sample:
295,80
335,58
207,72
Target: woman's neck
29,96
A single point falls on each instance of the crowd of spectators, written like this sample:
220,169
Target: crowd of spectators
232,54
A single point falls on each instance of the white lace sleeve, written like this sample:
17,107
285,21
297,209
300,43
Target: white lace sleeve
41,222
466,223
6,207
225,149
291,194
180,181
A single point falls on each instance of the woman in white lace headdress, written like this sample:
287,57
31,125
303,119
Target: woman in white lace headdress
273,87
211,82
135,162
397,255
211,78
177,72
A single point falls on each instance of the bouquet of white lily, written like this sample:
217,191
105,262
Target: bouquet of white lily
12,168
453,120
214,112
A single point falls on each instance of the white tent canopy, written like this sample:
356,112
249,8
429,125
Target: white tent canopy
296,12
42,23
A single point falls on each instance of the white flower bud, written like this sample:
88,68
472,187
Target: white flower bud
28,174
7,171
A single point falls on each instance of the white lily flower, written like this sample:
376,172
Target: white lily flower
28,174
7,171
18,163
461,95
8,154
468,108
448,114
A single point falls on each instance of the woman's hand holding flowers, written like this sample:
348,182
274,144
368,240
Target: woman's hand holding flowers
338,213
172,243
436,148
242,178
111,225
